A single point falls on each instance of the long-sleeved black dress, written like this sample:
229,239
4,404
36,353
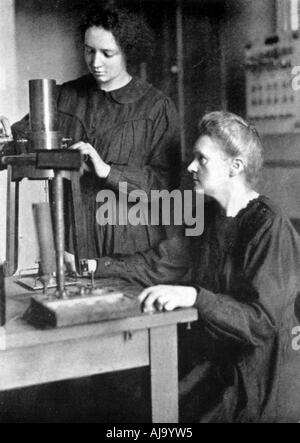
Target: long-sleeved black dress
135,131
246,271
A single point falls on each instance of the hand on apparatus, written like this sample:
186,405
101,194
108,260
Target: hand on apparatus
167,297
102,169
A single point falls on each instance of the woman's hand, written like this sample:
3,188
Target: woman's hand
102,169
167,297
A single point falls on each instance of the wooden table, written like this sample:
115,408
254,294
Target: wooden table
29,356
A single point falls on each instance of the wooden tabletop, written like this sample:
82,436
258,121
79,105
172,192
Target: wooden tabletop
18,333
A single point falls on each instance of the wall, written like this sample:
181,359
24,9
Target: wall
47,44
282,184
243,21
8,93
215,35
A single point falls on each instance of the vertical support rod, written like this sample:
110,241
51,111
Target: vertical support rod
2,297
180,84
59,232
12,224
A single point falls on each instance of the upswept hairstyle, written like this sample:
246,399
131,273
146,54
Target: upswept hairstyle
237,138
129,29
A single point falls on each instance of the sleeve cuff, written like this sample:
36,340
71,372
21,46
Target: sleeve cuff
114,177
205,301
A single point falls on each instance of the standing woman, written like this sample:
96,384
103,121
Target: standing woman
125,128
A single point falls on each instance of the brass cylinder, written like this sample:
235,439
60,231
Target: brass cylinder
43,107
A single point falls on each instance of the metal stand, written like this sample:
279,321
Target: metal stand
43,158
60,233
78,221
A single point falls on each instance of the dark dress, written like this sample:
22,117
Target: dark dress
135,131
246,271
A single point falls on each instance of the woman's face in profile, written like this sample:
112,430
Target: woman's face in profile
210,167
104,57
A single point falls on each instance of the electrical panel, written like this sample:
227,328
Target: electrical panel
273,84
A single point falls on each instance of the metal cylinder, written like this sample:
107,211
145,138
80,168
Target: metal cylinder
44,228
43,107
60,232
45,140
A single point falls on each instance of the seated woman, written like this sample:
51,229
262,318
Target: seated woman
242,274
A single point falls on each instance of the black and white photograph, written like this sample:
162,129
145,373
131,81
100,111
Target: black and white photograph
150,214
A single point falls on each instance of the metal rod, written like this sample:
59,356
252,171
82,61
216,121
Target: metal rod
12,223
60,232
2,297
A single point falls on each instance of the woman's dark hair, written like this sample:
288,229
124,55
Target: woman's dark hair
129,29
237,138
